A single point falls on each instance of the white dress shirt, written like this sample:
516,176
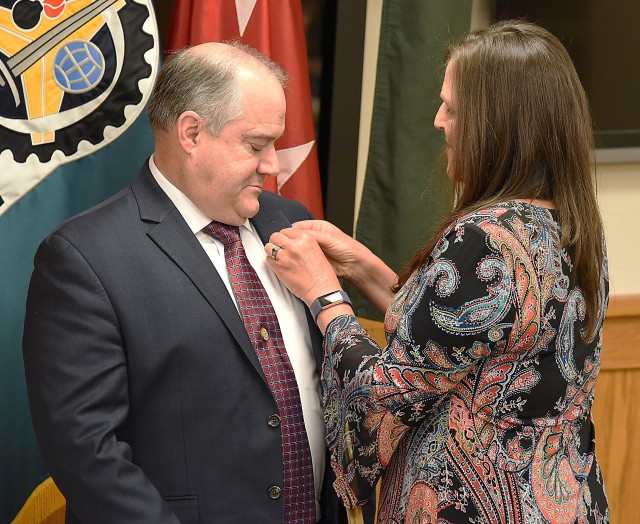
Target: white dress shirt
289,310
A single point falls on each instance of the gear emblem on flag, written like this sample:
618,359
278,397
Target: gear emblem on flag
69,71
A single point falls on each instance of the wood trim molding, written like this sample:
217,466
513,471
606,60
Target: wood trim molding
624,306
621,338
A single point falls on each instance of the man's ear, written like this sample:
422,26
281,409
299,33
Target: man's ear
189,126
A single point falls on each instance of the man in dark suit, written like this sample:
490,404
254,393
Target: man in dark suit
149,400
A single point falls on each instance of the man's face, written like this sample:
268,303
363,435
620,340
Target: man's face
445,117
228,171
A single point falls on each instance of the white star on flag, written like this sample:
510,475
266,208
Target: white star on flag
290,160
244,10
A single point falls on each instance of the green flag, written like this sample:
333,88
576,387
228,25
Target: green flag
404,195
74,79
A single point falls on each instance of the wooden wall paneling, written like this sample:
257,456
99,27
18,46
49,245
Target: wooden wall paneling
616,410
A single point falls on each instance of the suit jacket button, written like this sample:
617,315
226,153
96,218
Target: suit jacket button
275,492
273,421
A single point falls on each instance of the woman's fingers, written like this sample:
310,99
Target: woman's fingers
313,225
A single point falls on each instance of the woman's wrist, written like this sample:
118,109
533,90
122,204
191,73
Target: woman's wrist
370,270
361,266
327,301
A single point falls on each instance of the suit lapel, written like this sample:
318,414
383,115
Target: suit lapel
177,241
266,222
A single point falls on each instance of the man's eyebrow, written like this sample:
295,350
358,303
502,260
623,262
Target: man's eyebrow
250,136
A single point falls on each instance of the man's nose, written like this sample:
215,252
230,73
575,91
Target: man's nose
269,164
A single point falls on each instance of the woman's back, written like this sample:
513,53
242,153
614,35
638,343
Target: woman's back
489,381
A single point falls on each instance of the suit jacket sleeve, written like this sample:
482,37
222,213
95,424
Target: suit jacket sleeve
76,373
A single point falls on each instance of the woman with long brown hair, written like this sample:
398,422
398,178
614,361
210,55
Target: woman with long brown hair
479,407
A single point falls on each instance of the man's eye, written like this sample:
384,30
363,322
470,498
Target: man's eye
256,148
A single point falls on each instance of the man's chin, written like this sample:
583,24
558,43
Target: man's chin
251,211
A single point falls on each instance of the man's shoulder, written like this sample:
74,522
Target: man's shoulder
121,207
103,215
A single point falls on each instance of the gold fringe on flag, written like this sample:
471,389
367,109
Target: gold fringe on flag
45,505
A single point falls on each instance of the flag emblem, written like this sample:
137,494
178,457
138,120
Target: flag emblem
69,69
78,66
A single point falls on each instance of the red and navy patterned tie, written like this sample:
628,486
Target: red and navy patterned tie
262,325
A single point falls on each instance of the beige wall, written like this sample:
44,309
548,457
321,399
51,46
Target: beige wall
618,184
619,198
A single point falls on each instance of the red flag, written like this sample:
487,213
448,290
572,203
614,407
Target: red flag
275,29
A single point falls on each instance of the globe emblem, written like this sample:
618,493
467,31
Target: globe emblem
78,66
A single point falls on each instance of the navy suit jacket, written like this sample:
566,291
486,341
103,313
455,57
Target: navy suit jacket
147,398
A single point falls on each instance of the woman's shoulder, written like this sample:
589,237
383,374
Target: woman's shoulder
509,214
510,223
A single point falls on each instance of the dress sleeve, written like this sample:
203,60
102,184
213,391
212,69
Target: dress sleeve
450,315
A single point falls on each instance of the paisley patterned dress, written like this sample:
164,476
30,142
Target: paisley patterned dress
479,408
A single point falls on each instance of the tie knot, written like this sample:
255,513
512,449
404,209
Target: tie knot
223,232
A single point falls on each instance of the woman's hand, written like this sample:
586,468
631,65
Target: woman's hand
353,261
300,264
341,250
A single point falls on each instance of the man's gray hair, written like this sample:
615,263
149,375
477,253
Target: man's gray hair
205,84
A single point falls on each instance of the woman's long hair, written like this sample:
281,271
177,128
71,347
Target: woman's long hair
522,129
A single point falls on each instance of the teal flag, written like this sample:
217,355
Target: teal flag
69,190
74,80
404,194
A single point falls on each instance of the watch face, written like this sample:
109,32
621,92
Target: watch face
326,301
330,298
